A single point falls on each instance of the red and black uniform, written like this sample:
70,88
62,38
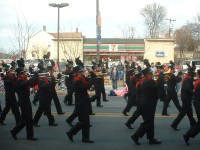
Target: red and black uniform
10,98
186,97
161,83
54,95
23,90
131,99
68,100
44,101
138,111
148,102
171,94
82,106
194,130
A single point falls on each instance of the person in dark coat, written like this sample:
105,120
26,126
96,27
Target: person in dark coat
44,101
148,107
10,98
127,81
171,91
99,86
194,130
82,104
23,90
54,94
161,82
186,97
132,97
138,111
68,100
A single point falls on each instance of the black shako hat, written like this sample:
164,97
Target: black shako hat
198,71
77,69
145,71
190,70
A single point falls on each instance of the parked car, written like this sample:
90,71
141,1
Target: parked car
184,64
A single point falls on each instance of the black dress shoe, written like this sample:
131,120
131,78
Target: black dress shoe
70,136
165,114
36,125
92,113
61,113
69,123
155,141
13,135
99,105
186,139
87,141
125,114
129,126
135,140
31,138
53,124
2,123
105,100
174,127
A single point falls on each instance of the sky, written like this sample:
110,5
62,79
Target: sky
116,15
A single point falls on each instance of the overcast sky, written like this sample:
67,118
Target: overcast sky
115,14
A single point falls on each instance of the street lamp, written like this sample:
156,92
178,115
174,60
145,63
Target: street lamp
61,5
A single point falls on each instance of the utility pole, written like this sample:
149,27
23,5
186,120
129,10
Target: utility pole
98,30
170,25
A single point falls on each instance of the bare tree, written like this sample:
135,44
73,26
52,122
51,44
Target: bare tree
197,26
154,15
38,51
127,31
71,49
185,40
21,32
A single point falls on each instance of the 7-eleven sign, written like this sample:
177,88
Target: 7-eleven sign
113,47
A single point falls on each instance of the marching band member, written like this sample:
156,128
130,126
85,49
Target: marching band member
194,130
44,101
172,80
68,100
186,97
138,92
132,97
148,103
23,90
99,86
10,98
82,104
54,94
161,82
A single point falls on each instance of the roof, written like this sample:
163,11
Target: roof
67,35
113,40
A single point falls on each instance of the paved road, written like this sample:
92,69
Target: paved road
108,130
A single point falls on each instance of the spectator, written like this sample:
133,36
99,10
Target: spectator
114,76
120,68
153,68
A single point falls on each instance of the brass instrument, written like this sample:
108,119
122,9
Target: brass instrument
99,74
168,74
40,74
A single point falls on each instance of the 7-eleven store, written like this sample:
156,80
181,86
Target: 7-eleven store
113,50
